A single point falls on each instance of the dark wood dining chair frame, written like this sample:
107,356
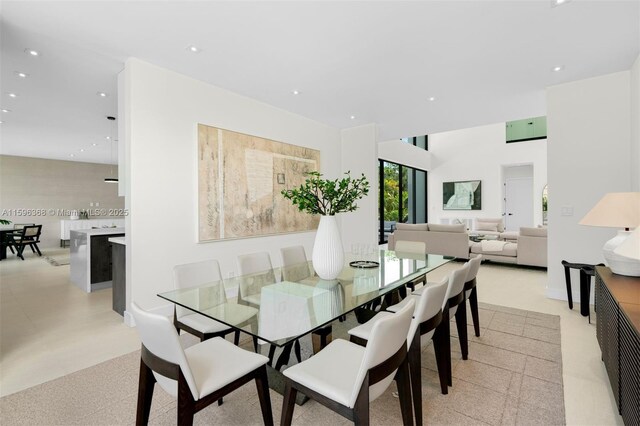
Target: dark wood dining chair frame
473,304
443,330
415,361
359,414
187,406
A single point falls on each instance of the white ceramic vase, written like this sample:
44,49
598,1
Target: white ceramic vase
328,253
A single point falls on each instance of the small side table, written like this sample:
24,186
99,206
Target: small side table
586,272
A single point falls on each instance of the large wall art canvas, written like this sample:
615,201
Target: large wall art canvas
239,182
465,195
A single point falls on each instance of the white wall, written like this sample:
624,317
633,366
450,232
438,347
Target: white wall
163,110
359,155
588,125
404,153
635,125
480,153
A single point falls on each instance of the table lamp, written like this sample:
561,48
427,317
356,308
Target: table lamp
617,210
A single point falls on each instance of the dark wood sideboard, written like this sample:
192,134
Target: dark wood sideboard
618,333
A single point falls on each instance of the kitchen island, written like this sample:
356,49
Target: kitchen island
91,268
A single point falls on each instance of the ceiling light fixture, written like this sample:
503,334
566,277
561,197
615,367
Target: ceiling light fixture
194,49
558,68
555,3
21,74
5,110
295,92
353,117
108,138
81,149
102,94
432,98
94,144
12,95
71,155
32,52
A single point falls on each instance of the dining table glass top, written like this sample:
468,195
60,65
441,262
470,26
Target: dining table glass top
282,304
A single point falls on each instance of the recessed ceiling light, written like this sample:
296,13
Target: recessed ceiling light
71,155
194,49
81,149
1,121
22,74
102,94
5,110
94,144
295,92
108,138
353,117
432,98
558,68
555,3
12,95
32,52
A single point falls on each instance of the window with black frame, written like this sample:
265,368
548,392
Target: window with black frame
403,193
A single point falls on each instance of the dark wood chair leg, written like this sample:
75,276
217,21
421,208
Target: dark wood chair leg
255,344
32,249
415,373
272,354
440,337
404,393
361,407
461,325
20,250
236,337
262,385
146,383
186,404
446,345
567,280
37,250
297,350
288,404
473,304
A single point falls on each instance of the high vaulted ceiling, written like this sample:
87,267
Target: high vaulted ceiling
483,61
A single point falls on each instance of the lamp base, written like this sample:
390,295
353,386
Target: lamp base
620,265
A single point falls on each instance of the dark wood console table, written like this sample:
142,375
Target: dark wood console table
618,332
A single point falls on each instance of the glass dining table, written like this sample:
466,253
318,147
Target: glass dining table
281,305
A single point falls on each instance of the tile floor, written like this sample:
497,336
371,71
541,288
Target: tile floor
49,328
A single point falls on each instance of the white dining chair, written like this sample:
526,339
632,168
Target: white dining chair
412,247
427,316
345,376
295,266
255,270
471,291
198,375
197,274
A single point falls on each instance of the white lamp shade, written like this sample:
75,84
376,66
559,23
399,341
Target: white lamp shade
615,210
631,246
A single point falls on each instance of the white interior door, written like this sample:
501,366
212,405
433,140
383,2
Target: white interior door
518,203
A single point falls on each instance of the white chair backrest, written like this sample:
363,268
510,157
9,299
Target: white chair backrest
474,267
419,247
254,263
456,283
428,305
387,336
198,274
159,336
294,263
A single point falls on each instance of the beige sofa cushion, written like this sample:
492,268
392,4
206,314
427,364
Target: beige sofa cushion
533,232
412,226
509,250
485,224
447,228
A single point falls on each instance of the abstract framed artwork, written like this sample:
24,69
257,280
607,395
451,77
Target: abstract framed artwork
240,178
464,195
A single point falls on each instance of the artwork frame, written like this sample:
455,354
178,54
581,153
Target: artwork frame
462,195
240,179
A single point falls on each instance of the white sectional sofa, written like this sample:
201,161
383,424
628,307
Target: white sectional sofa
447,240
529,249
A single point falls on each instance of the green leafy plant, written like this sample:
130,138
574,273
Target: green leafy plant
328,197
5,222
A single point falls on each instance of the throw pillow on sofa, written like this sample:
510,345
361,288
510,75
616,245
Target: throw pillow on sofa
412,227
447,228
487,226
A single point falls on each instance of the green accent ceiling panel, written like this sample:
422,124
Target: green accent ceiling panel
527,129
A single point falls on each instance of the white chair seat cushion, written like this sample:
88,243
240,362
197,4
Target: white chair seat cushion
332,372
253,299
403,302
419,291
363,331
203,324
216,362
